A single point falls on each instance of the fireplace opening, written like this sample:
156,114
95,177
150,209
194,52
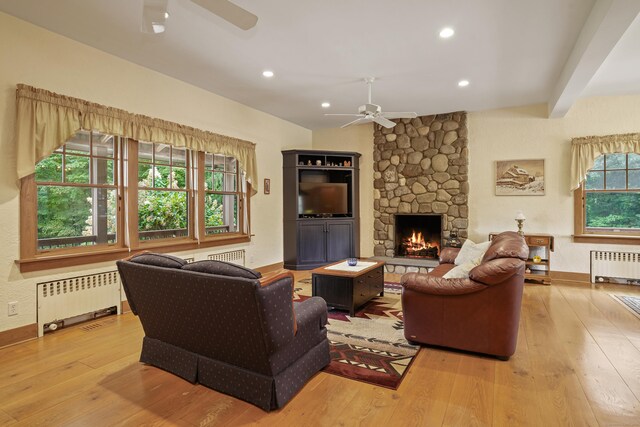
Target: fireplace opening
418,236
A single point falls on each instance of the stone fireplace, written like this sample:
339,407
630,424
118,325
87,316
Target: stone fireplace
420,167
418,236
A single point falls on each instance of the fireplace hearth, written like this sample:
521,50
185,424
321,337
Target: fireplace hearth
418,236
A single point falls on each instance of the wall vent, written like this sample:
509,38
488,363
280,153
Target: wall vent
615,267
88,296
236,257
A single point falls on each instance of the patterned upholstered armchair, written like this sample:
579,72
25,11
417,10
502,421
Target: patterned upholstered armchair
226,327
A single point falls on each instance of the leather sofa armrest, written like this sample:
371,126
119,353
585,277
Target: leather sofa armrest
497,270
432,285
448,255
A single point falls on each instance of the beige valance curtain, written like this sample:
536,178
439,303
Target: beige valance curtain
585,150
46,120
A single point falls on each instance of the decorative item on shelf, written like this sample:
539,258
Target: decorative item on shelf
453,241
528,271
537,259
520,220
347,163
301,164
352,261
309,163
267,186
318,162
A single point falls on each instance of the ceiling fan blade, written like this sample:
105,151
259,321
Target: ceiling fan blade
383,121
400,115
352,115
359,121
230,12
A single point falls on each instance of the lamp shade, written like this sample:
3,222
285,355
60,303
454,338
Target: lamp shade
520,215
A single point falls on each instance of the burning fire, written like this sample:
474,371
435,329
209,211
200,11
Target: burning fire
416,244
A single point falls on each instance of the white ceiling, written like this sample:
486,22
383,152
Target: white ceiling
512,52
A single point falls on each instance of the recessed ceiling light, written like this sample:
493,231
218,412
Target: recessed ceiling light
463,83
326,105
267,73
447,32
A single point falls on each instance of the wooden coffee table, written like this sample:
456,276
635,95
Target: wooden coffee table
347,289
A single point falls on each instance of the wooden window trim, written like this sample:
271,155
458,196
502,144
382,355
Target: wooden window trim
31,259
581,235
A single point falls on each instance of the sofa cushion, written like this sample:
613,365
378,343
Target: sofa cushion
471,252
159,260
222,268
461,271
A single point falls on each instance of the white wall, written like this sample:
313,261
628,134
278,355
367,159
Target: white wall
360,140
526,133
506,134
37,57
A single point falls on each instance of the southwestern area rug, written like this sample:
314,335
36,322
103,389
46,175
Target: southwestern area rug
631,303
370,346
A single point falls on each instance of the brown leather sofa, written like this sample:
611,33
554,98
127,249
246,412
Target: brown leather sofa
478,314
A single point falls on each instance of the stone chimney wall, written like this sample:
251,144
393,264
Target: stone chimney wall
420,166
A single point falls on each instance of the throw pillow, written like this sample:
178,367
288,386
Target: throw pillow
222,268
159,260
471,251
461,271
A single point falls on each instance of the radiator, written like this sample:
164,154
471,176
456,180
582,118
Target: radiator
236,257
617,267
76,296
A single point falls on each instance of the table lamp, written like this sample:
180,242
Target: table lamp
520,220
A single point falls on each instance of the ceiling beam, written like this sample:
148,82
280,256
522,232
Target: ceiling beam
607,22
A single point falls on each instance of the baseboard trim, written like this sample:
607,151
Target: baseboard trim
18,335
125,307
571,276
270,267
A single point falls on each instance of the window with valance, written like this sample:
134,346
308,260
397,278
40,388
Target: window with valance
98,182
606,184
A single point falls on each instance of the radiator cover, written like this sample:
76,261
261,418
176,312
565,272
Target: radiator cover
75,296
614,266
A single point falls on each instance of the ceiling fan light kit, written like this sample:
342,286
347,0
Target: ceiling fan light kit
371,112
154,16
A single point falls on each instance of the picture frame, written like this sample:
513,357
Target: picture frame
524,177
267,186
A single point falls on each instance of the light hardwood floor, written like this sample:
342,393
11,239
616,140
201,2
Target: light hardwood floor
577,363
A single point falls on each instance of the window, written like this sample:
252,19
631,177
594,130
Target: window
77,194
610,197
163,187
221,194
101,196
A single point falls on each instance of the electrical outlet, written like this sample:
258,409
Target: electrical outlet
13,308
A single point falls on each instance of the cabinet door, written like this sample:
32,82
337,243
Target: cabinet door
339,240
311,242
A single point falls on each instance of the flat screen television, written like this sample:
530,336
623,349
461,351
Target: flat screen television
319,198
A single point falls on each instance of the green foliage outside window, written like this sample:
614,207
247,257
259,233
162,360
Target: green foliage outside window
67,211
613,192
613,210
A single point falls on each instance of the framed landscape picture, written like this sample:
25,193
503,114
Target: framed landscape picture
520,177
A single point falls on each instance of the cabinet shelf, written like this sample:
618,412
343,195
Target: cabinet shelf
531,262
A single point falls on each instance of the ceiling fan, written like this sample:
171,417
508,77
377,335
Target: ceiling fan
154,14
369,112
